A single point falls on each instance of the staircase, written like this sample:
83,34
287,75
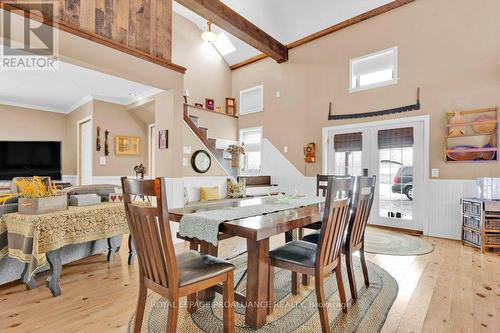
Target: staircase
210,143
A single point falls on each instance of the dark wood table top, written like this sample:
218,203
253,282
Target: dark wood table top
257,227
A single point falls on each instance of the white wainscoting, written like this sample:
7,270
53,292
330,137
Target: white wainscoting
69,179
443,206
443,195
193,184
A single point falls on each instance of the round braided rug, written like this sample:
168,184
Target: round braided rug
292,313
382,241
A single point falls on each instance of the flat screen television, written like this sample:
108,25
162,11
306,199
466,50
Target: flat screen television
30,158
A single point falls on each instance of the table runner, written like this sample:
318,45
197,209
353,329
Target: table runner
204,225
29,237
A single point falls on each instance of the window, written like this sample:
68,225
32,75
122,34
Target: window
348,148
223,44
251,138
252,100
374,70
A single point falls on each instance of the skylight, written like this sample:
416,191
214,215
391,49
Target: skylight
223,44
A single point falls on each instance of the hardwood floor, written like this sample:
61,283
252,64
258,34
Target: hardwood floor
452,289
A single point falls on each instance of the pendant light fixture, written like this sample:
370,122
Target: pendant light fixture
209,35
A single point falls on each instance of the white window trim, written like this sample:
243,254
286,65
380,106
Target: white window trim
249,129
394,80
258,109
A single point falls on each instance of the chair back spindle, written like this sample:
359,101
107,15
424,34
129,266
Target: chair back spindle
361,207
150,230
321,185
335,219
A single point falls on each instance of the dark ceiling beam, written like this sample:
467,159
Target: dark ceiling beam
224,17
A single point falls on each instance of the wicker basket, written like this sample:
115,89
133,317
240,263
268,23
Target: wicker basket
492,224
492,239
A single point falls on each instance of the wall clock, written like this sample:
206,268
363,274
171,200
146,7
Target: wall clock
201,161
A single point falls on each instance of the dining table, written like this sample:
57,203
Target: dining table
257,230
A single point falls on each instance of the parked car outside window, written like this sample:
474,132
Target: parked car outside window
403,182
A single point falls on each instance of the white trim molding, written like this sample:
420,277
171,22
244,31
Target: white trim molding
258,108
393,80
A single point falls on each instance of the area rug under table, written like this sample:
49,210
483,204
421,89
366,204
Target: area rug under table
382,241
292,313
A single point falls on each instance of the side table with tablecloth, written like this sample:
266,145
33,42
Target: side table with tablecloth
36,239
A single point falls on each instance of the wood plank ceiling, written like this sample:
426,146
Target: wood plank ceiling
139,27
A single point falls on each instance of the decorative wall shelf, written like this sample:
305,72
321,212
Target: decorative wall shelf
208,110
472,136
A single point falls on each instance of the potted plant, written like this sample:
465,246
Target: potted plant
235,152
39,197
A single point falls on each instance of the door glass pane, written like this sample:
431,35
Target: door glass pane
347,163
396,182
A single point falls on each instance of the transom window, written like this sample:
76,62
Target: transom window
374,70
251,138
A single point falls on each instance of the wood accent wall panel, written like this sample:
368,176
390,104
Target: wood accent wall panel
143,25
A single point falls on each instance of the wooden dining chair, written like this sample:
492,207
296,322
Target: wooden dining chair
160,269
321,187
355,234
342,189
355,238
320,259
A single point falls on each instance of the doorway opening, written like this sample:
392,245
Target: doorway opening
84,171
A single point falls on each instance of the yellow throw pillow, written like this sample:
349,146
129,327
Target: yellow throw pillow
209,193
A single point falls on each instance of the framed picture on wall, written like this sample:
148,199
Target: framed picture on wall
209,104
163,139
127,145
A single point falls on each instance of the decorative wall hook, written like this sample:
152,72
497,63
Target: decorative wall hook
106,143
98,140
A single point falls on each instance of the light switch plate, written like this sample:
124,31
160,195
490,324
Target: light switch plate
435,173
187,150
102,160
278,94
285,149
184,161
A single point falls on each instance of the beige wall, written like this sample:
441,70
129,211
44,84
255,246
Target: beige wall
219,126
449,48
25,124
207,75
118,121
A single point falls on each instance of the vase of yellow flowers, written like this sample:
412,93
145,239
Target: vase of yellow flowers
235,152
37,196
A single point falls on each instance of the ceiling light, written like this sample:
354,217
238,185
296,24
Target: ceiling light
209,35
131,94
223,44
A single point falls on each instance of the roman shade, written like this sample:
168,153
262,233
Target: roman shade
348,142
395,138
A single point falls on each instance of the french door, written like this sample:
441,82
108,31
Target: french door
394,152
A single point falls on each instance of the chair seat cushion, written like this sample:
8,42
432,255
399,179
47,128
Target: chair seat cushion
312,237
314,226
296,252
195,267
